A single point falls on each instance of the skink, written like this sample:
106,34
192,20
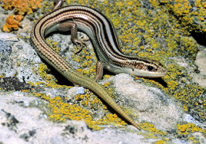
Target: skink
103,36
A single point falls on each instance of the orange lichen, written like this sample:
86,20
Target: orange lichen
21,7
12,22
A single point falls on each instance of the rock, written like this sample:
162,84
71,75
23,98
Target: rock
148,103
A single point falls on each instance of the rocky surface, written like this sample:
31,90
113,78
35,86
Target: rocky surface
22,123
39,106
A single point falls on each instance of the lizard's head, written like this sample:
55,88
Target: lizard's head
146,68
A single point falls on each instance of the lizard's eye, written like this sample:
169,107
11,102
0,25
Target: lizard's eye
151,68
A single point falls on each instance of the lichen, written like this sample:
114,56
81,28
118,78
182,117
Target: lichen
21,7
155,29
184,131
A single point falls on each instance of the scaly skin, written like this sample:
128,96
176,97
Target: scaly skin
73,75
63,67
